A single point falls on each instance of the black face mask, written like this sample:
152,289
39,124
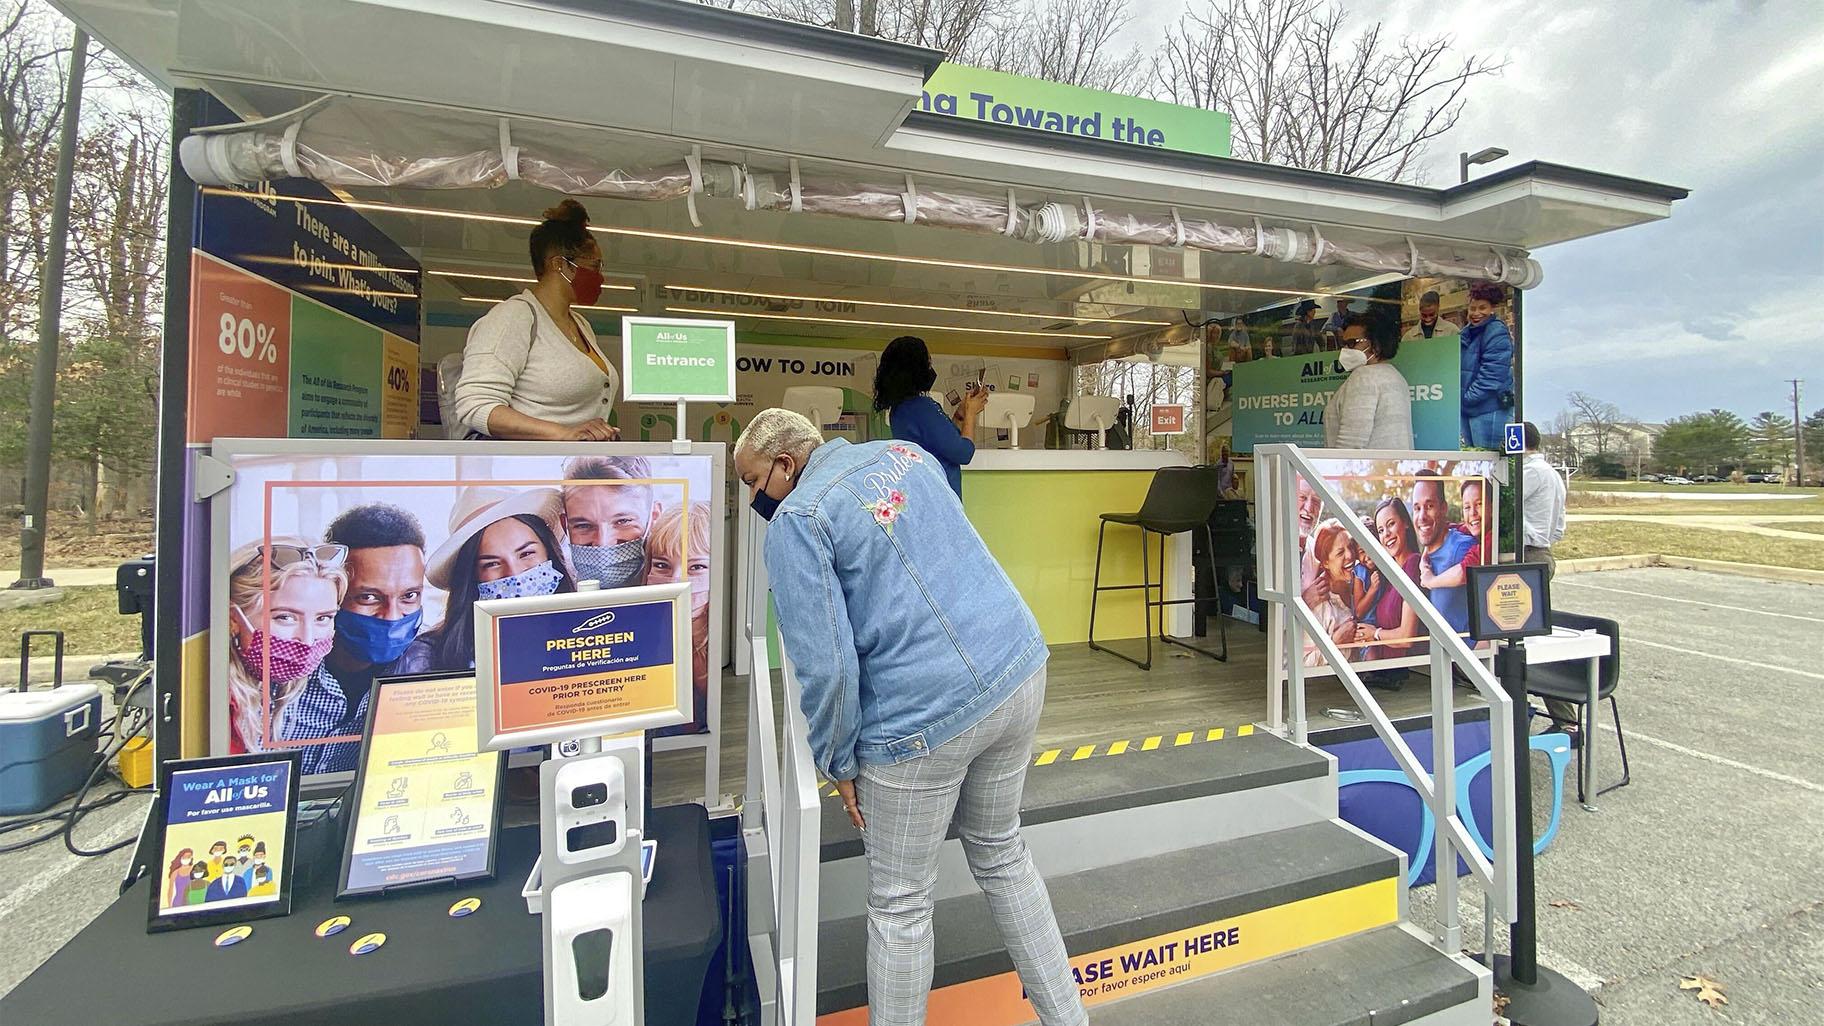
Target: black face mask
930,381
764,504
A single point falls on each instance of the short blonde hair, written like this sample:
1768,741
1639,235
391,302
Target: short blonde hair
666,539
779,432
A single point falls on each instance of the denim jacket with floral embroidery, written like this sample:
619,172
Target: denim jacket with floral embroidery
903,630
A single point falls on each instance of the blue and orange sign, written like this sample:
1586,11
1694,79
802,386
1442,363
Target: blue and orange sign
571,666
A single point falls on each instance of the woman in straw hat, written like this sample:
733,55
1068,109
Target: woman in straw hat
502,544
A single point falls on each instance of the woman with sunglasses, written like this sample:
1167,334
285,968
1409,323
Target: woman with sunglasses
282,603
531,370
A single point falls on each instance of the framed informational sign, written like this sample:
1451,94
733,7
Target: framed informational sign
1168,420
665,359
1509,601
337,564
426,801
593,663
1437,514
225,831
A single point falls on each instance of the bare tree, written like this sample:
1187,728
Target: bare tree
1073,41
1594,419
1302,89
31,107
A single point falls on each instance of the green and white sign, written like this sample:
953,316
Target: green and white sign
997,97
1282,399
666,360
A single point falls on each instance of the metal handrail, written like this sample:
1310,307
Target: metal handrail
1277,469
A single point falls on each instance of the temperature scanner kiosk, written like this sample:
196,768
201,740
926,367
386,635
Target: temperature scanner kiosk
1093,413
587,673
1009,412
822,404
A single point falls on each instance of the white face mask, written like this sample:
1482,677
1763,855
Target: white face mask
1351,359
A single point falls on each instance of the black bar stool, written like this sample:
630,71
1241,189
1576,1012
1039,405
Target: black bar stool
1179,500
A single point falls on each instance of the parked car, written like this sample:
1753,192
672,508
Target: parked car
1674,479
1706,479
1760,478
1649,477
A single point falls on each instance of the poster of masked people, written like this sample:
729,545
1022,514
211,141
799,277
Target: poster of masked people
1435,517
338,568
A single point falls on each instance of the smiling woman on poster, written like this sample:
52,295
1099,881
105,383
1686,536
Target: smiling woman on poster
279,636
502,544
531,369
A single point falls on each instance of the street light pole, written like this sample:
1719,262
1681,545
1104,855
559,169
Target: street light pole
1798,430
50,323
1485,156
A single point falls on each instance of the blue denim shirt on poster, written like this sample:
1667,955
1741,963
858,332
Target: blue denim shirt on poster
902,627
1452,603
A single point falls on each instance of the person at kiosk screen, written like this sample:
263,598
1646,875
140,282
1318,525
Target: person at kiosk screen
282,598
904,376
923,674
606,524
502,544
677,550
531,369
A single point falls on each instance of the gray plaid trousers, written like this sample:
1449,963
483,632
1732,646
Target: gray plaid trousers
978,777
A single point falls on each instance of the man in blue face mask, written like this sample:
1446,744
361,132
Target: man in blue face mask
381,613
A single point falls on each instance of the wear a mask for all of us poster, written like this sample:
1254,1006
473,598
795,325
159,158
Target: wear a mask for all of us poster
344,569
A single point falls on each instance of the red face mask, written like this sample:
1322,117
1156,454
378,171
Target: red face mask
585,283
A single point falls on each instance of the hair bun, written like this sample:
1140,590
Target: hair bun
568,210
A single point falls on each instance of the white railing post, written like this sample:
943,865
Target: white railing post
1291,584
1444,797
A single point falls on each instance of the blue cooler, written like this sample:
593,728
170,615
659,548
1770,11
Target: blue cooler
47,745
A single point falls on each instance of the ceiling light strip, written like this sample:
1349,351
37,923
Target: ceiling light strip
922,306
616,286
882,324
573,306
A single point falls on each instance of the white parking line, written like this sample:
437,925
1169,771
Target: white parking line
1672,746
1560,582
42,882
1724,659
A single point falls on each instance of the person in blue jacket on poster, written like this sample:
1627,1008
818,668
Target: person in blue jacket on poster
1487,369
900,384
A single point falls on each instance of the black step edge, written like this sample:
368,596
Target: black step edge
1068,790
1385,977
1120,904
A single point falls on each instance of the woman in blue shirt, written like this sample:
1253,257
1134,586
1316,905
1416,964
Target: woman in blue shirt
905,375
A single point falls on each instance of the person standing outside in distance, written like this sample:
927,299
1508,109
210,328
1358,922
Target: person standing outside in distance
1487,369
1542,525
900,383
1440,548
1430,324
531,370
381,614
923,673
1373,407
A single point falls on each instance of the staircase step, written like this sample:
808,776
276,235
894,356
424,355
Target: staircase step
1072,789
1384,977
1194,911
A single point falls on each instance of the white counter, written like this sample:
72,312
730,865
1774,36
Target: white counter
1076,459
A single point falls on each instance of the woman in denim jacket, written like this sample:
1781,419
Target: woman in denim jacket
923,673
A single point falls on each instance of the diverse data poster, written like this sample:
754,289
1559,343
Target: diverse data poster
1435,515
226,831
339,564
1282,399
426,799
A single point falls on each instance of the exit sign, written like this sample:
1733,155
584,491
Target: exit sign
1168,420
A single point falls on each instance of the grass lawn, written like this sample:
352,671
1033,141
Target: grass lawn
1809,527
1585,485
1629,538
1748,509
89,618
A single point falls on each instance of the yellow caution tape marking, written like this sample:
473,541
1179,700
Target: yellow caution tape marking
1215,734
1150,743
1083,753
1184,739
1117,748
1049,757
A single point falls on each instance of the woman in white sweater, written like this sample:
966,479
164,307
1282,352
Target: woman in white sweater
1373,408
531,369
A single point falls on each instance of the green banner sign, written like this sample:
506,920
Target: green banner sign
663,360
1282,399
994,96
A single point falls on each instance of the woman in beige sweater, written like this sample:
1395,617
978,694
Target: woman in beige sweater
1373,408
531,369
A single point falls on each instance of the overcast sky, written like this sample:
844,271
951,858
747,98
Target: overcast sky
1717,306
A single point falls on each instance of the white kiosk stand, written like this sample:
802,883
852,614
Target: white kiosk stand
1009,411
821,403
1093,413
566,670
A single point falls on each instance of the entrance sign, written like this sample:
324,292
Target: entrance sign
1168,420
565,666
668,360
426,800
978,94
1508,602
1513,439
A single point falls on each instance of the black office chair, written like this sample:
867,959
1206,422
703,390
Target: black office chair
1180,499
1569,682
